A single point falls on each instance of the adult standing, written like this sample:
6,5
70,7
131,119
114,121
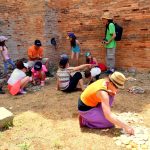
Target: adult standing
109,41
95,103
35,53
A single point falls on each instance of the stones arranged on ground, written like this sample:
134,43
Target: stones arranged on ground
6,117
130,117
131,79
34,88
136,90
139,141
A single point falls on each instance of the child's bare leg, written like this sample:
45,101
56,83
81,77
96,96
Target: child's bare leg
77,59
72,58
81,84
42,76
24,82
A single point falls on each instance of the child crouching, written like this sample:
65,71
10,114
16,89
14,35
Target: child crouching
39,73
18,79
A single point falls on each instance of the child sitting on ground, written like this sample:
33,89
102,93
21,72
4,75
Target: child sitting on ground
65,80
39,73
18,79
92,74
93,61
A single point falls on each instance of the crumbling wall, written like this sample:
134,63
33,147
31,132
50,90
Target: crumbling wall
24,21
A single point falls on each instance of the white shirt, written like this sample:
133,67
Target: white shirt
16,76
95,71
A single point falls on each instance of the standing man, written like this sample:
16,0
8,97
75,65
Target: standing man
109,41
35,53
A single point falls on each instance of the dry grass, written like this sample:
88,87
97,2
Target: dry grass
48,119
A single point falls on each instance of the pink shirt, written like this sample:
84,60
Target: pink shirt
4,52
36,73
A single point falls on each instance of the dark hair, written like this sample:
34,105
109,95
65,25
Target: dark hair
87,73
63,62
73,41
88,60
2,44
107,25
20,65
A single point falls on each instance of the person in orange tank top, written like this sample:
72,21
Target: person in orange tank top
94,104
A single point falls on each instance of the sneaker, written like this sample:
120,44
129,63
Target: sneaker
22,92
112,70
1,91
42,83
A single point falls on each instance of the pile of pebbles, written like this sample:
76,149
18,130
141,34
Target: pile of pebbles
139,141
136,90
34,88
141,138
130,117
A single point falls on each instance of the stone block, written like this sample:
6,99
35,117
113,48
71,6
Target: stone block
6,117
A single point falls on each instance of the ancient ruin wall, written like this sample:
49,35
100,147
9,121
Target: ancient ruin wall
24,21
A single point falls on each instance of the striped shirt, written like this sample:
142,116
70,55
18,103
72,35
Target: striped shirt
63,78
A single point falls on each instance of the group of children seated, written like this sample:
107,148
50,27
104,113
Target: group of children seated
68,78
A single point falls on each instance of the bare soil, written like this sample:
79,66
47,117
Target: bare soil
48,119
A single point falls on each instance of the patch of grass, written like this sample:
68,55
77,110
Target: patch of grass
57,145
24,146
8,125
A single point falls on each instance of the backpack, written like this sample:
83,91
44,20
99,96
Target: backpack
118,30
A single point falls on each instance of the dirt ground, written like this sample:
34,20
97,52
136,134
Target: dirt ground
48,119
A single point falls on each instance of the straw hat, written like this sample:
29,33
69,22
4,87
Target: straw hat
107,16
118,79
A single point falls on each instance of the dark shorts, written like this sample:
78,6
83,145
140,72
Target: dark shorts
82,106
73,82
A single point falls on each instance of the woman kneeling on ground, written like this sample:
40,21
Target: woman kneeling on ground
65,81
95,102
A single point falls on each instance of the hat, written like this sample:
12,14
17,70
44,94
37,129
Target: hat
87,54
3,38
107,16
63,60
95,71
26,65
37,66
118,79
37,43
71,35
64,56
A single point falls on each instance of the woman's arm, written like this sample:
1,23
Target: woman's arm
79,67
113,36
78,42
2,56
109,115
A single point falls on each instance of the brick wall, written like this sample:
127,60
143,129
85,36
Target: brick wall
24,21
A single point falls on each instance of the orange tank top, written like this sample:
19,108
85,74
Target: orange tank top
89,97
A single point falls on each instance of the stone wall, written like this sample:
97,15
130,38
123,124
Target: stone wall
24,21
